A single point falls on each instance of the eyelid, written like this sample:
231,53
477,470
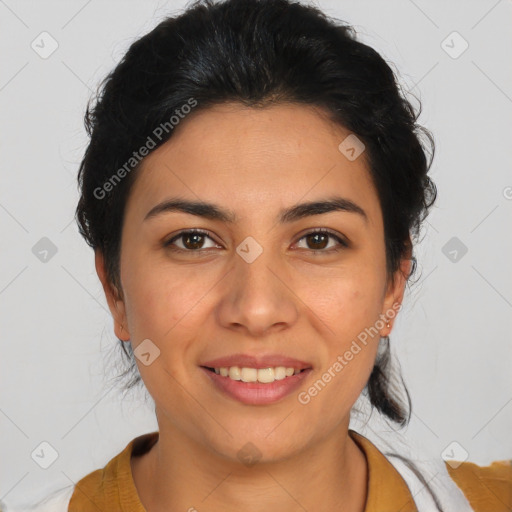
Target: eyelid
342,241
205,232
341,238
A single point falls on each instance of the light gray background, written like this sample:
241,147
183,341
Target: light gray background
453,336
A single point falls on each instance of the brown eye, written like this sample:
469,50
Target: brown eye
191,241
318,241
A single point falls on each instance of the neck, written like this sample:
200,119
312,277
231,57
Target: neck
180,474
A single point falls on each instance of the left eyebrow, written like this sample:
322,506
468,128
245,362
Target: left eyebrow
214,212
332,204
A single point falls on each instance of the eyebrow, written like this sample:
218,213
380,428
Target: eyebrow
214,212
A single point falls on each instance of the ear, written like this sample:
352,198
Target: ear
115,304
395,294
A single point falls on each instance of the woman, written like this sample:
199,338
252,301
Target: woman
252,189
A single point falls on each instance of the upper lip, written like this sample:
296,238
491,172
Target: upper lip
256,361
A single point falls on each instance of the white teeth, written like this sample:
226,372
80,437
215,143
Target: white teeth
234,373
266,375
279,373
249,374
263,375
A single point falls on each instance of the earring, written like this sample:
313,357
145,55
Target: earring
387,324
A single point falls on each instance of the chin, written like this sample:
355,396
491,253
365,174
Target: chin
249,448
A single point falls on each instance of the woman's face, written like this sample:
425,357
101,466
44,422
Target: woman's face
259,287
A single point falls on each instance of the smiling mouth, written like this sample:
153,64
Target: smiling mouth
261,375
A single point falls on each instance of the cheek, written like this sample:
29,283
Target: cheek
350,302
161,303
351,347
160,308
351,311
363,305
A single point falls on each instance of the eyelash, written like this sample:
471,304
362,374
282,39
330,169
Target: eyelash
342,243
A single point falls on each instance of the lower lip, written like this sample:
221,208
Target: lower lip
257,393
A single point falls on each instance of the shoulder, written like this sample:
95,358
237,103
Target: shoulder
487,488
58,501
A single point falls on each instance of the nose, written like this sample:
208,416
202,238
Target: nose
258,298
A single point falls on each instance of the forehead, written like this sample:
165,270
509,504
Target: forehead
254,160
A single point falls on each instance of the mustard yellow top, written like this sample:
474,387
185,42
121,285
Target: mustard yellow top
488,489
